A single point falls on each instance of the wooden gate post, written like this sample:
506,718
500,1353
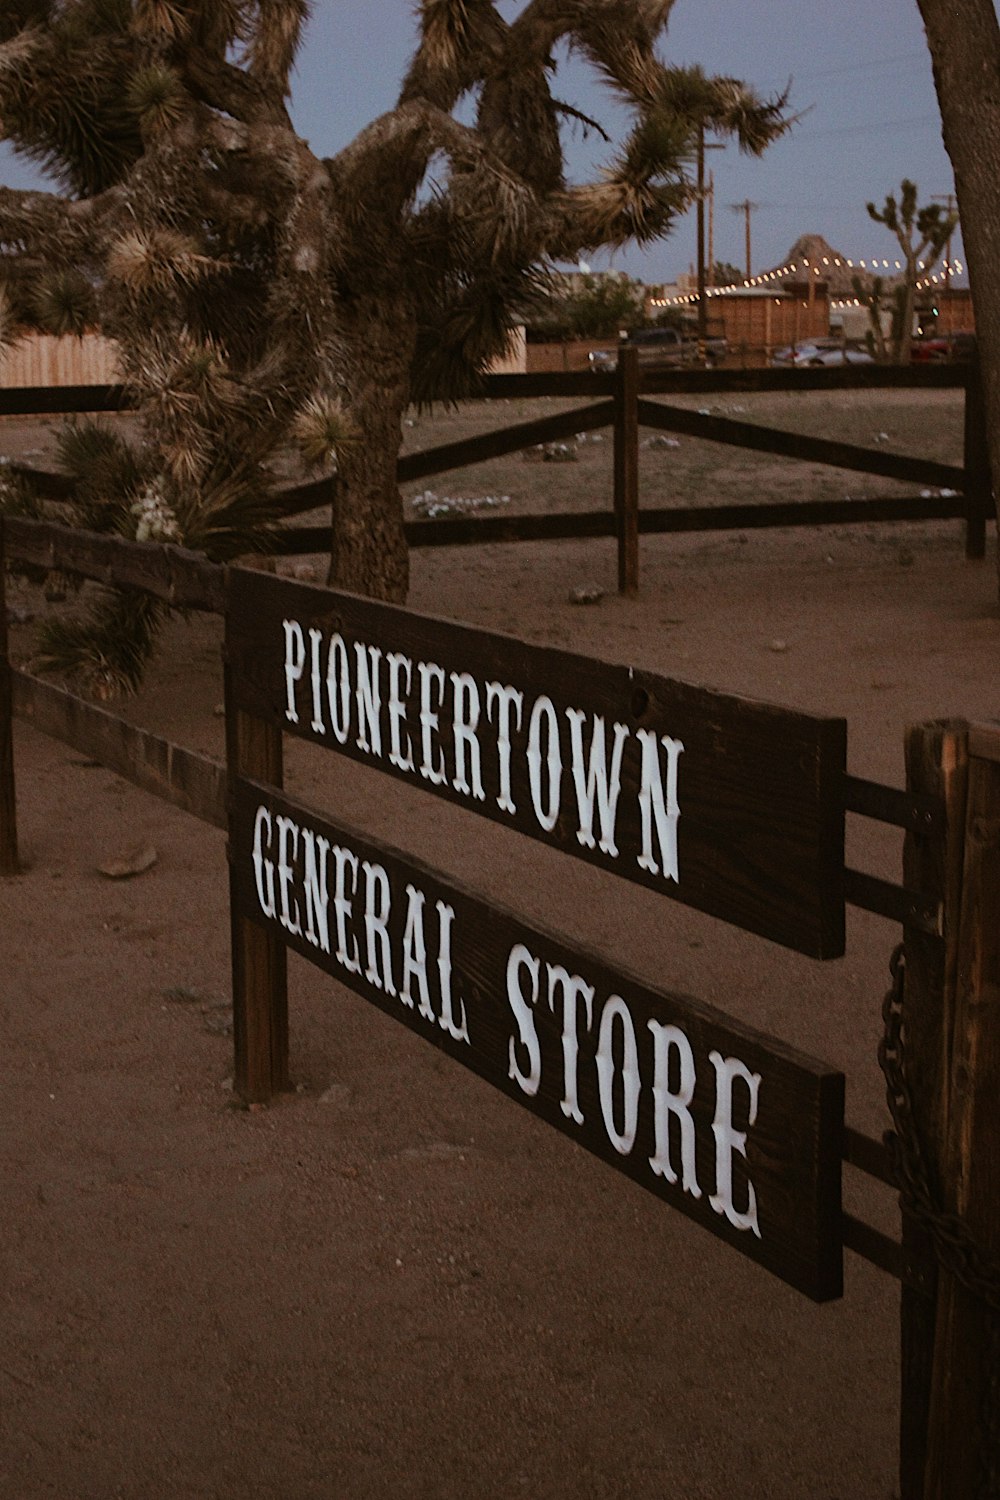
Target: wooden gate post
260,985
936,759
963,1459
626,461
976,462
8,800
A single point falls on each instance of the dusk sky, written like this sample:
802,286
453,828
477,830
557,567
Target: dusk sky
860,78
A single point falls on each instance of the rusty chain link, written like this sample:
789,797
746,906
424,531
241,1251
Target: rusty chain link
954,1247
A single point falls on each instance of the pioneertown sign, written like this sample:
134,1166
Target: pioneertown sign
729,806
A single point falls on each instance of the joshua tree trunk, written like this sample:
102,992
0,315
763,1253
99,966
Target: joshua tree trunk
368,552
964,41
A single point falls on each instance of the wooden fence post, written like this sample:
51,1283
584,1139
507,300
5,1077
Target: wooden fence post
627,468
936,758
976,462
260,985
8,800
963,1457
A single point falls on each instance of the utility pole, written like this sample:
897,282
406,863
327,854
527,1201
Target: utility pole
702,299
711,229
746,208
949,200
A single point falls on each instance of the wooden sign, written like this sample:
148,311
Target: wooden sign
734,1129
728,805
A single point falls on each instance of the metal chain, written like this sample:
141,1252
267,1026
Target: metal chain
956,1250
954,1246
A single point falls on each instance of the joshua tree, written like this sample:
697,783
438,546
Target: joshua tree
258,291
922,235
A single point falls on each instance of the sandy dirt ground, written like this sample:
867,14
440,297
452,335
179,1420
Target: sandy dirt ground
393,1282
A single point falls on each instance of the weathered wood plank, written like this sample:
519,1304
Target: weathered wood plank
964,1425
744,821
976,456
18,401
868,1156
8,795
478,531
191,781
874,1246
676,381
476,982
751,516
486,445
757,439
626,471
936,766
888,804
452,531
180,577
829,378
259,960
47,483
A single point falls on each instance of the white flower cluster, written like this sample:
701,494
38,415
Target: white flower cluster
431,505
155,520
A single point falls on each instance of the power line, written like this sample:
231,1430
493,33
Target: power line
873,125
864,67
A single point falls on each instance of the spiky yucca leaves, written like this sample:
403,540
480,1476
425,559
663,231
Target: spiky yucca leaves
64,104
109,647
259,294
106,470
321,428
63,302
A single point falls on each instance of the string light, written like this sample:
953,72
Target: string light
782,273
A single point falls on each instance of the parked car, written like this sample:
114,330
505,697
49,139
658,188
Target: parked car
819,353
944,349
660,346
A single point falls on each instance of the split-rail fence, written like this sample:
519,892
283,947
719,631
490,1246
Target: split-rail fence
621,400
774,865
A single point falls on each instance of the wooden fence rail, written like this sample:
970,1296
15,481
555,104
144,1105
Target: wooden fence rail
962,492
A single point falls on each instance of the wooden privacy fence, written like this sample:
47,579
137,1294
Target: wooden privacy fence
619,400
732,806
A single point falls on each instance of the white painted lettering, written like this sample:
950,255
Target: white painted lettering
415,954
378,899
316,680
614,1010
400,671
369,699
544,800
347,944
295,661
596,782
314,881
263,868
504,698
518,959
465,722
338,688
457,1030
432,756
728,1140
669,1102
573,988
658,804
289,906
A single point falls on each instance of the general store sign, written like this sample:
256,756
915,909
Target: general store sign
736,1130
